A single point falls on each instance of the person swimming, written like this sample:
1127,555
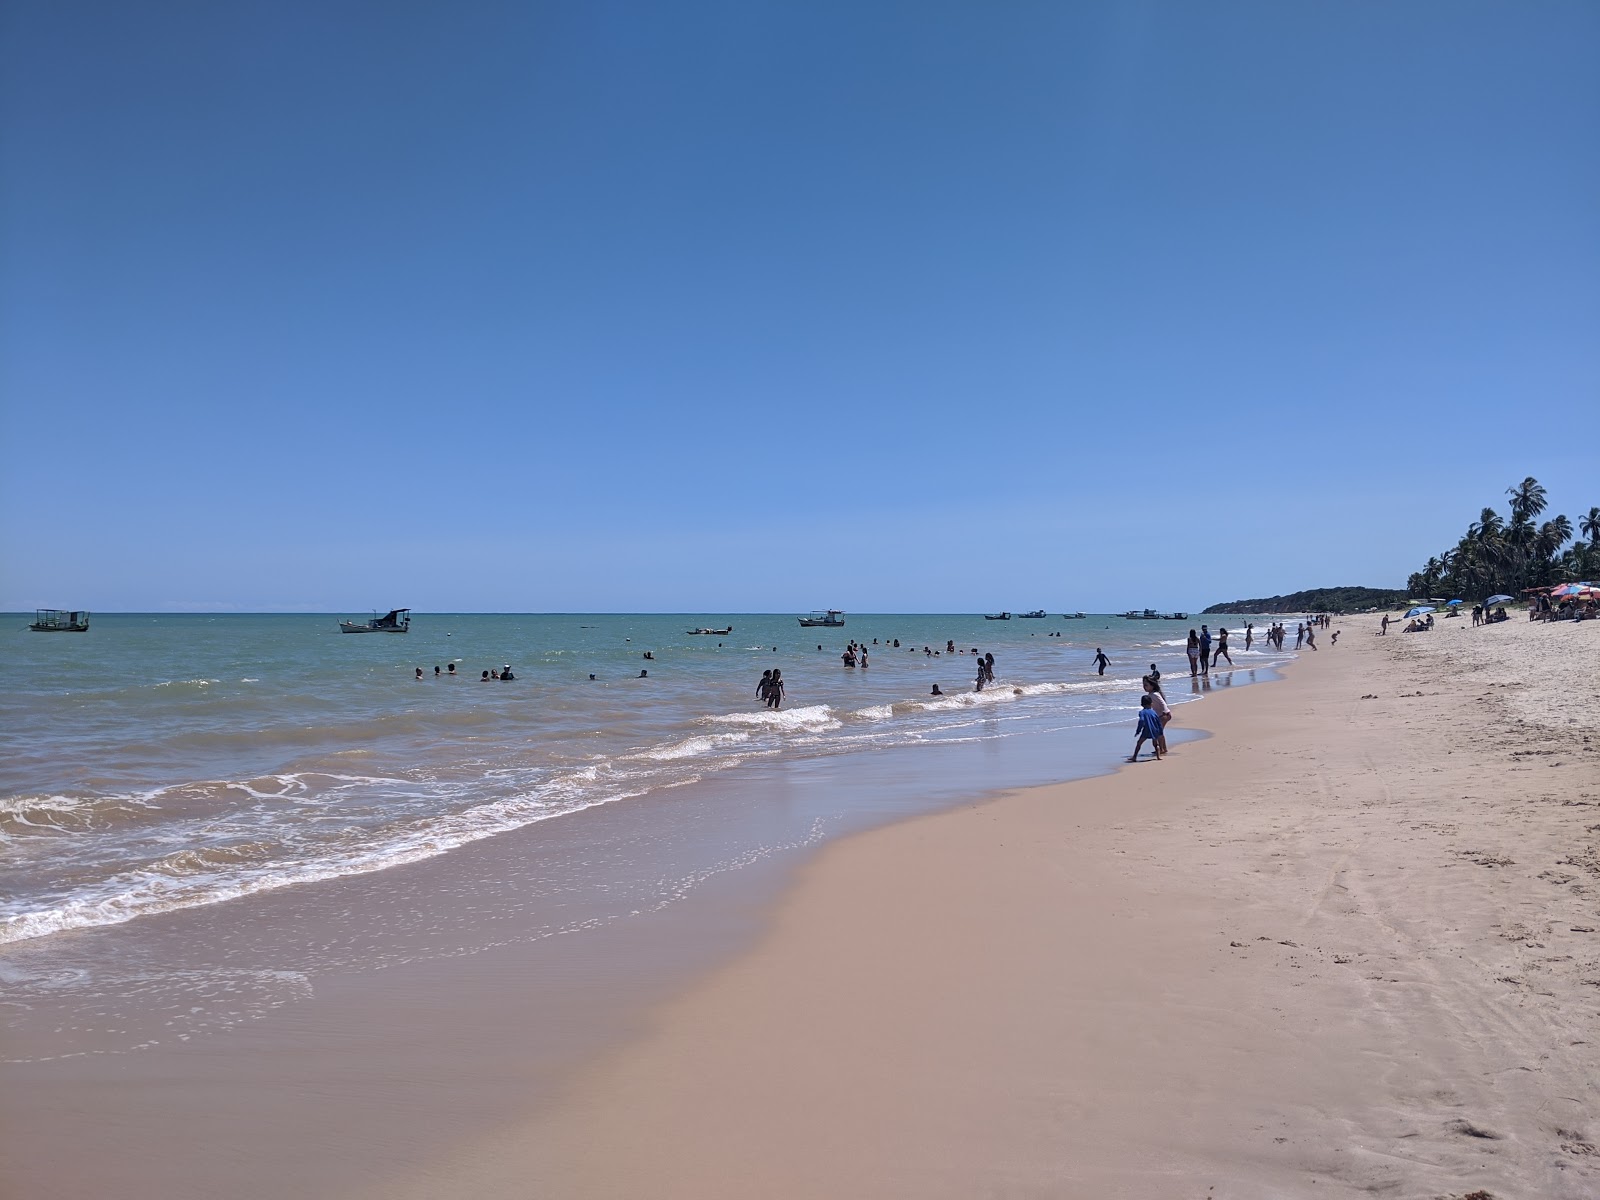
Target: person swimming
936,691
505,672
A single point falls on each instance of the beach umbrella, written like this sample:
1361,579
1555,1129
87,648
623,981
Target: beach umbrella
1419,610
1499,599
1567,589
1452,603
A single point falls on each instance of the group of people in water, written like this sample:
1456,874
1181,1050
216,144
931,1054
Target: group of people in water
504,672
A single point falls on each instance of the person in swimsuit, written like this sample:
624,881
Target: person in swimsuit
1222,648
1149,727
1194,654
764,686
1249,636
1205,650
775,690
1100,660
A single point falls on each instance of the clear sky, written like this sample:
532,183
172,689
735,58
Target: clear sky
756,306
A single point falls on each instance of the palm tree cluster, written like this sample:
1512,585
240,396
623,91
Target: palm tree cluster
1500,555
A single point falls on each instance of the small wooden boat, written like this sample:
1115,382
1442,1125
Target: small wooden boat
1005,616
728,629
396,620
57,620
1034,615
833,618
1148,614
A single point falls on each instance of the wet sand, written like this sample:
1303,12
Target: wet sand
1349,945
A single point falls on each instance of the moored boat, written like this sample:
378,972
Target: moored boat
833,618
396,620
1034,615
1073,616
727,629
1148,614
1005,616
59,620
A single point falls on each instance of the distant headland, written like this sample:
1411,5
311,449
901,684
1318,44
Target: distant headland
1334,599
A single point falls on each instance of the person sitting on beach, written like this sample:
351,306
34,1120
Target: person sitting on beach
1149,727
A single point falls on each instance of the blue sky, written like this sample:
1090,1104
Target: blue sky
745,306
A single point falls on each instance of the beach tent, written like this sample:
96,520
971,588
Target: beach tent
1499,599
1419,610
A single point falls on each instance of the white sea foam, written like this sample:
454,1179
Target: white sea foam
816,716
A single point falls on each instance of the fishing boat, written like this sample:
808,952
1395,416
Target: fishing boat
1073,616
1176,616
1005,616
58,620
1148,614
396,620
833,618
1034,615
727,629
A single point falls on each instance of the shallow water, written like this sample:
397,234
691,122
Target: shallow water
180,793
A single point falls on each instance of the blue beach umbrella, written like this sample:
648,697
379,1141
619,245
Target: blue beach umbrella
1419,610
1452,603
1498,599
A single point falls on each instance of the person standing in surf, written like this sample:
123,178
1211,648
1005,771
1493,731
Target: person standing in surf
1194,654
775,689
1222,648
1100,660
1205,650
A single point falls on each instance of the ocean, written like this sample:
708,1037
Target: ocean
177,792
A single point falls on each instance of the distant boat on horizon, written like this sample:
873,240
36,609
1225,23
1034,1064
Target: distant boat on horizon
59,620
725,629
832,618
1073,616
1034,615
1005,616
396,620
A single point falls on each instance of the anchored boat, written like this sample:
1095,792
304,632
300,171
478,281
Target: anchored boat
396,620
727,629
57,620
1005,616
1036,613
833,618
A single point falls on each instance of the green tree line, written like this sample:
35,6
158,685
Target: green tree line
1497,554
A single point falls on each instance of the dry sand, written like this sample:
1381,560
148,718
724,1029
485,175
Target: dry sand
1349,946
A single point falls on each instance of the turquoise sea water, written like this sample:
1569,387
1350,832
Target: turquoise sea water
221,766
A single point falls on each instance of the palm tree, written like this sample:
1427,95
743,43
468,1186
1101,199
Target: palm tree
1589,525
1527,499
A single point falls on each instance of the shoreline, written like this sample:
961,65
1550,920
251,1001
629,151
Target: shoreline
1124,1047
1298,958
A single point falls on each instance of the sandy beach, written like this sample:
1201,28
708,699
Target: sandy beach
1349,945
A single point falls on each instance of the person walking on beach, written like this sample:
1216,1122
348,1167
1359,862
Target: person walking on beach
1222,648
1148,727
775,690
1194,654
1311,636
1100,660
1205,650
1385,631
